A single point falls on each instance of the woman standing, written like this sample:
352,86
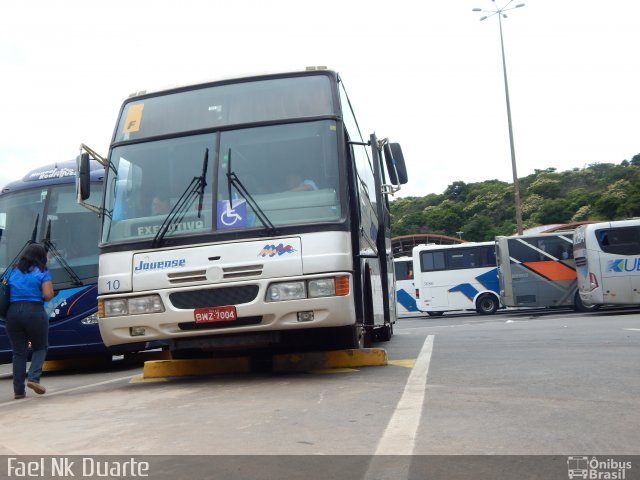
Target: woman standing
26,320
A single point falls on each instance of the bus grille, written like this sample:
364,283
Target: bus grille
214,297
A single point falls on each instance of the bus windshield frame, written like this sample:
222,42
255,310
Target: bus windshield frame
281,146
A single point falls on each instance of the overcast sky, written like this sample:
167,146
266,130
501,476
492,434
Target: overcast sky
426,74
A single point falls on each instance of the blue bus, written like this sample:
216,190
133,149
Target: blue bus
42,207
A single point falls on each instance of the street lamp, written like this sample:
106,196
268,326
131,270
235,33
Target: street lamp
516,183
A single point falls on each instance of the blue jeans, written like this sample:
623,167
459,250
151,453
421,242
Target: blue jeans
27,322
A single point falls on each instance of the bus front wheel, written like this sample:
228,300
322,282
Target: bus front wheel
486,304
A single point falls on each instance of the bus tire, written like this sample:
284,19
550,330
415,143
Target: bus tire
487,304
578,306
435,314
384,334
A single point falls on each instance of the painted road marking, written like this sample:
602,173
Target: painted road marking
400,435
407,363
392,458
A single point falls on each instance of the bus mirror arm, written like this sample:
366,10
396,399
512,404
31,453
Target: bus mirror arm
83,177
389,189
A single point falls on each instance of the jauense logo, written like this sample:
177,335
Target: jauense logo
146,265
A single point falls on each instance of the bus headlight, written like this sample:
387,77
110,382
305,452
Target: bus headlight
322,287
318,287
90,320
118,307
278,292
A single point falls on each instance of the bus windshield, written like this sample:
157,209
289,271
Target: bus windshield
54,209
289,170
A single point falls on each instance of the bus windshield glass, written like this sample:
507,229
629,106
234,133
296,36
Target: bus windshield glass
217,106
54,209
290,171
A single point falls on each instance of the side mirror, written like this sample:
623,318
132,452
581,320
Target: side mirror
395,164
83,177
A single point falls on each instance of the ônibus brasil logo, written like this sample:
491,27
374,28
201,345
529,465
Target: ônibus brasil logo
581,466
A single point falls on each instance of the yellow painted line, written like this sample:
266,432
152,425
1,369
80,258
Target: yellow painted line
196,366
365,357
408,363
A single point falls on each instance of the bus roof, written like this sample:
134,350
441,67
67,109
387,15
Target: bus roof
230,79
52,174
628,222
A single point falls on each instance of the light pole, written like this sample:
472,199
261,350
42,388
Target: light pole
516,183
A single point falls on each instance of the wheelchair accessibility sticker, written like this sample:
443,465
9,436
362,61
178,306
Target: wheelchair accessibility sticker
232,216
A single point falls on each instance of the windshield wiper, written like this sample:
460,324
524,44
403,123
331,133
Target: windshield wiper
232,179
50,247
179,210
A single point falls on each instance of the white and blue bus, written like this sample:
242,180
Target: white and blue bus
278,231
42,207
405,287
456,277
607,258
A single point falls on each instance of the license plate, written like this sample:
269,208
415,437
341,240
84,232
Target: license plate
215,314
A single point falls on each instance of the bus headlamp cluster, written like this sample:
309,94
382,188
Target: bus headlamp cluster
319,287
90,320
118,307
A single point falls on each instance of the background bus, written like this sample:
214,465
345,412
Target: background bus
242,260
405,287
42,207
608,262
456,277
538,271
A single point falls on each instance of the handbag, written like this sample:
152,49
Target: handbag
4,297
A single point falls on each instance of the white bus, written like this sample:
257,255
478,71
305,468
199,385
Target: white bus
405,287
278,231
608,262
456,277
538,271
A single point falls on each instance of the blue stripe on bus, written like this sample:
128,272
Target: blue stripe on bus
407,301
489,280
466,289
